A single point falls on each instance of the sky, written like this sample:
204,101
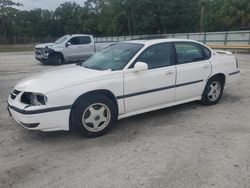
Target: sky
44,4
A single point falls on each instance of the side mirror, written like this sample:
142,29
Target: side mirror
140,66
67,44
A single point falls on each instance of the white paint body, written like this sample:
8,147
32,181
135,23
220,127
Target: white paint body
63,86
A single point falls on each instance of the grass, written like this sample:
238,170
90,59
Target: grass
16,48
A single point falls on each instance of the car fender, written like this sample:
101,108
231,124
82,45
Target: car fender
223,64
68,96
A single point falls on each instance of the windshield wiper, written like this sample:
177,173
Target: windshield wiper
79,63
85,66
93,68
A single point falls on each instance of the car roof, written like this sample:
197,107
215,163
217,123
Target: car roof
77,35
156,41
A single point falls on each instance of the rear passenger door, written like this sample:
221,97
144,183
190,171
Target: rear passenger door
193,67
86,47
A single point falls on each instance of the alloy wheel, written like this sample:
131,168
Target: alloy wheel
96,117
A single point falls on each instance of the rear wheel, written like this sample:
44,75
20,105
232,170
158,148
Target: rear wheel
213,91
94,115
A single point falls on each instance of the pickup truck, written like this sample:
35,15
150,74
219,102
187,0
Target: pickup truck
69,48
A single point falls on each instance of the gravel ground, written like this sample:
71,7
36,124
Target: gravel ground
185,146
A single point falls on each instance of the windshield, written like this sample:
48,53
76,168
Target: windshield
114,57
62,39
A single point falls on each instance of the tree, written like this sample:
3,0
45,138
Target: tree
6,13
125,17
68,18
235,14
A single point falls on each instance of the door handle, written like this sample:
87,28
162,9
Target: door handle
170,72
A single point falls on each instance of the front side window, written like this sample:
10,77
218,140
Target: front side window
156,56
62,39
85,40
74,41
188,52
114,57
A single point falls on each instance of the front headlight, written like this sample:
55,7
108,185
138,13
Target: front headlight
47,51
34,99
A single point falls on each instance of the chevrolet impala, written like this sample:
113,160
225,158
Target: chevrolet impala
122,80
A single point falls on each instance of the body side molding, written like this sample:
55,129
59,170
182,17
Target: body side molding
157,89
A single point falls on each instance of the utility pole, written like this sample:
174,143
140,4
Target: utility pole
202,15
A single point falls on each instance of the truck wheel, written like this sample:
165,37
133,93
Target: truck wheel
57,59
213,91
94,116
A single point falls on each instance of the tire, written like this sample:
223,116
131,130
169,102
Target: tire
56,59
94,115
213,91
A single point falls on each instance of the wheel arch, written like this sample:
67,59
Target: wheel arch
56,52
218,76
221,76
104,92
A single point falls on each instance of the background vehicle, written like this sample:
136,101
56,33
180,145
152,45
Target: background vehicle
123,80
69,48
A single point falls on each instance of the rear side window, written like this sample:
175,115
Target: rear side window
156,56
74,41
188,52
85,40
207,52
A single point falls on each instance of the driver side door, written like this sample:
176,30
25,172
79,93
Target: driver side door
72,52
155,86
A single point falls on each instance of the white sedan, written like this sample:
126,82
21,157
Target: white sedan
122,80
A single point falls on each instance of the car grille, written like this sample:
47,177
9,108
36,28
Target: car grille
14,94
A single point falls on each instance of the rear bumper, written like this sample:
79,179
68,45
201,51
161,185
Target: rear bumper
232,78
44,121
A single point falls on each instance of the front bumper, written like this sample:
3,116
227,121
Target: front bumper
42,119
41,57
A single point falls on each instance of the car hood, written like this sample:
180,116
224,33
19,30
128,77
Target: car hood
60,78
44,45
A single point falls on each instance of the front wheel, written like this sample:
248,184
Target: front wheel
56,59
213,91
94,115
